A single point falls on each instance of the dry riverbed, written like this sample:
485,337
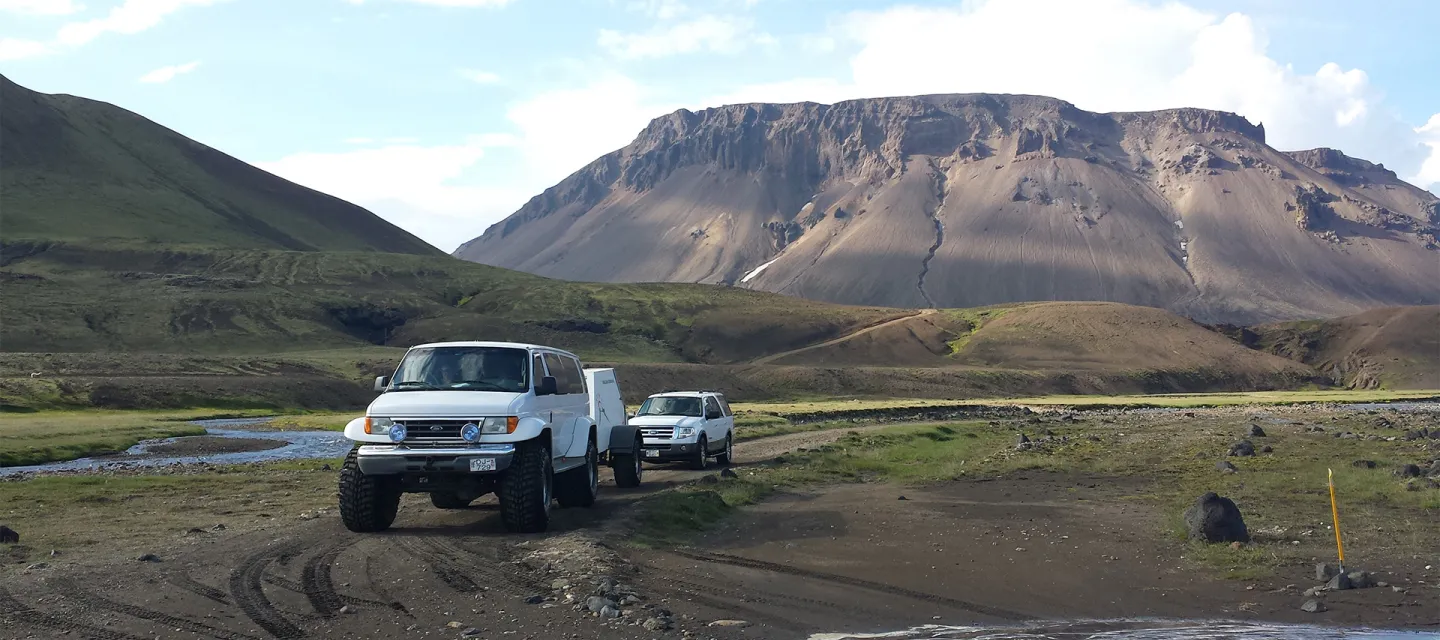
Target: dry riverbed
1080,521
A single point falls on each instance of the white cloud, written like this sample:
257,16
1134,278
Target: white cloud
166,74
359,141
661,9
461,3
411,185
706,33
131,17
18,49
40,7
481,77
1428,175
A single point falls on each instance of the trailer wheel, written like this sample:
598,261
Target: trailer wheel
525,492
578,487
628,469
367,503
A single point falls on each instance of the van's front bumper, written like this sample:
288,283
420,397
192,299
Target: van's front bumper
379,460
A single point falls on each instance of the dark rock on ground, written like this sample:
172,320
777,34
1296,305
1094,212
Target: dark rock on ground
1408,471
1267,449
535,600
1215,519
710,479
1225,467
1312,606
8,535
1364,464
1256,431
726,473
1242,448
596,604
1021,439
1323,571
902,498
1361,579
149,557
1340,582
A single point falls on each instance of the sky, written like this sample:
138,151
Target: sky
445,116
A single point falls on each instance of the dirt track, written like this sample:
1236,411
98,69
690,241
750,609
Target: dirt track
850,558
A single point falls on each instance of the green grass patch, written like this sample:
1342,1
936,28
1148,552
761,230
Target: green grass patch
37,438
1198,400
674,516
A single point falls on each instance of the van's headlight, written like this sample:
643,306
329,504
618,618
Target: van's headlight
499,425
684,432
378,426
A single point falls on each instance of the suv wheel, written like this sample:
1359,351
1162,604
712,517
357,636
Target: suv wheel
448,500
578,487
525,492
728,455
367,503
701,459
628,468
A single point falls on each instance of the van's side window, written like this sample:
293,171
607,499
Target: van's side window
576,377
724,406
539,370
552,362
711,409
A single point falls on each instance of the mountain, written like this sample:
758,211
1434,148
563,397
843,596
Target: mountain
1392,348
72,168
973,200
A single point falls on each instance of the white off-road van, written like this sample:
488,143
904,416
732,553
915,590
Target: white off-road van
459,420
690,426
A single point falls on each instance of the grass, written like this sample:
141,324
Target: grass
27,439
1197,400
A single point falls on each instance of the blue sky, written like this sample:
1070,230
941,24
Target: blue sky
446,115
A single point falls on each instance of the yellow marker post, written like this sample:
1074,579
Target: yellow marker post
1335,513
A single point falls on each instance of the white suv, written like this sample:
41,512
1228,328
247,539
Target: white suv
690,426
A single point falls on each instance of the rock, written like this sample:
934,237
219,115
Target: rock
1399,589
149,557
8,535
727,473
347,609
610,613
325,467
1215,519
710,479
1225,467
1243,448
1021,439
535,600
733,624
1348,436
470,633
656,624
1314,591
1256,431
218,527
1364,464
1312,606
596,604
1267,449
560,584
1340,582
630,600
1361,579
1323,571
454,625
902,498
1408,471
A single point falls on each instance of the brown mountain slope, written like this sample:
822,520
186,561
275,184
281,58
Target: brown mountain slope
78,169
1394,348
971,200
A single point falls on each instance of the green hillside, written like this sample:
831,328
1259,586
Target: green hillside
72,168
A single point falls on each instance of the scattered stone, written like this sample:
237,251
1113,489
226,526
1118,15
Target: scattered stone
1256,431
609,613
1312,606
1225,467
630,600
1323,571
727,473
596,604
733,624
1364,464
325,467
560,584
1340,582
656,624
1215,519
1243,448
149,557
1267,449
1399,589
8,535
1314,591
218,527
902,498
54,553
535,600
454,625
1021,439
1408,471
36,567
710,479
1361,579
1348,436
347,609
470,633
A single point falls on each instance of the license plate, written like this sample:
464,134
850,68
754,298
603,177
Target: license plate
651,453
482,464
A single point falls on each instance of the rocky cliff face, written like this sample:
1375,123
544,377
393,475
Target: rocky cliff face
964,200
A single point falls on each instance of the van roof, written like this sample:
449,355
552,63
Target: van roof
686,394
498,345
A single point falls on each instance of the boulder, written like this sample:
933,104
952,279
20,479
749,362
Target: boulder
1215,519
1361,579
1340,582
1324,572
1224,466
1256,431
8,535
1364,464
1242,448
1312,606
1408,471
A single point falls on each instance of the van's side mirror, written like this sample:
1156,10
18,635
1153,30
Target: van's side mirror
547,387
381,382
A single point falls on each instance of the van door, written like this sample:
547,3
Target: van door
562,415
577,400
714,429
727,422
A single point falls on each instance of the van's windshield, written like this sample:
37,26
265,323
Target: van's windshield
463,369
670,406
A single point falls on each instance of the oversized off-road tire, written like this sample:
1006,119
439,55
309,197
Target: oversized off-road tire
628,468
525,492
701,459
578,487
448,500
725,457
367,503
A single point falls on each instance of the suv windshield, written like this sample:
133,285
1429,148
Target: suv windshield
463,369
670,407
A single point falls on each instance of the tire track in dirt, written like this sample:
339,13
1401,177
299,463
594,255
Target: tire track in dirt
249,594
316,583
184,581
88,600
460,556
14,610
452,574
764,597
299,589
761,565
731,608
382,591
